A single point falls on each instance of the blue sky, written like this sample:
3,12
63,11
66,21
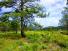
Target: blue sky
54,7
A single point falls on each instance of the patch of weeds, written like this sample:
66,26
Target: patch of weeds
35,47
44,46
34,38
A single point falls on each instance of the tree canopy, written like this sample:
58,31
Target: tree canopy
64,20
23,8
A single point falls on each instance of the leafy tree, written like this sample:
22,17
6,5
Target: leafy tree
34,26
23,8
64,20
3,26
15,24
37,26
4,22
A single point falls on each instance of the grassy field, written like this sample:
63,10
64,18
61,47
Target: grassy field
34,41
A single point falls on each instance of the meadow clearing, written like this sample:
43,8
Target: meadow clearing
34,41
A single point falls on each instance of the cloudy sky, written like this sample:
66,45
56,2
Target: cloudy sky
54,7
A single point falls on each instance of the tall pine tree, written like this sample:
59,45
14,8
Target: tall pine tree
22,9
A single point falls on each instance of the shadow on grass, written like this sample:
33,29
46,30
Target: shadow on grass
10,36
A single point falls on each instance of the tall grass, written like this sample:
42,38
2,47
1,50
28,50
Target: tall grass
34,41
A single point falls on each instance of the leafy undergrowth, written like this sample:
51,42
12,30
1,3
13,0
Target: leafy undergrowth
34,41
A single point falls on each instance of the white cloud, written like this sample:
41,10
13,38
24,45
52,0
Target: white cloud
54,7
49,2
50,21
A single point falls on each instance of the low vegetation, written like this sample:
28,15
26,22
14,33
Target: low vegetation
34,41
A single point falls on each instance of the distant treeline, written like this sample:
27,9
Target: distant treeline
55,28
36,28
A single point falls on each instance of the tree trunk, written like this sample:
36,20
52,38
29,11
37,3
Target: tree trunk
16,31
22,20
22,27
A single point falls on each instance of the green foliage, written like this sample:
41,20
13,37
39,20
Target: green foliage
6,3
14,25
21,12
34,41
64,20
4,23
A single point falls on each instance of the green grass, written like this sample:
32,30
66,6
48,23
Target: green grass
34,41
